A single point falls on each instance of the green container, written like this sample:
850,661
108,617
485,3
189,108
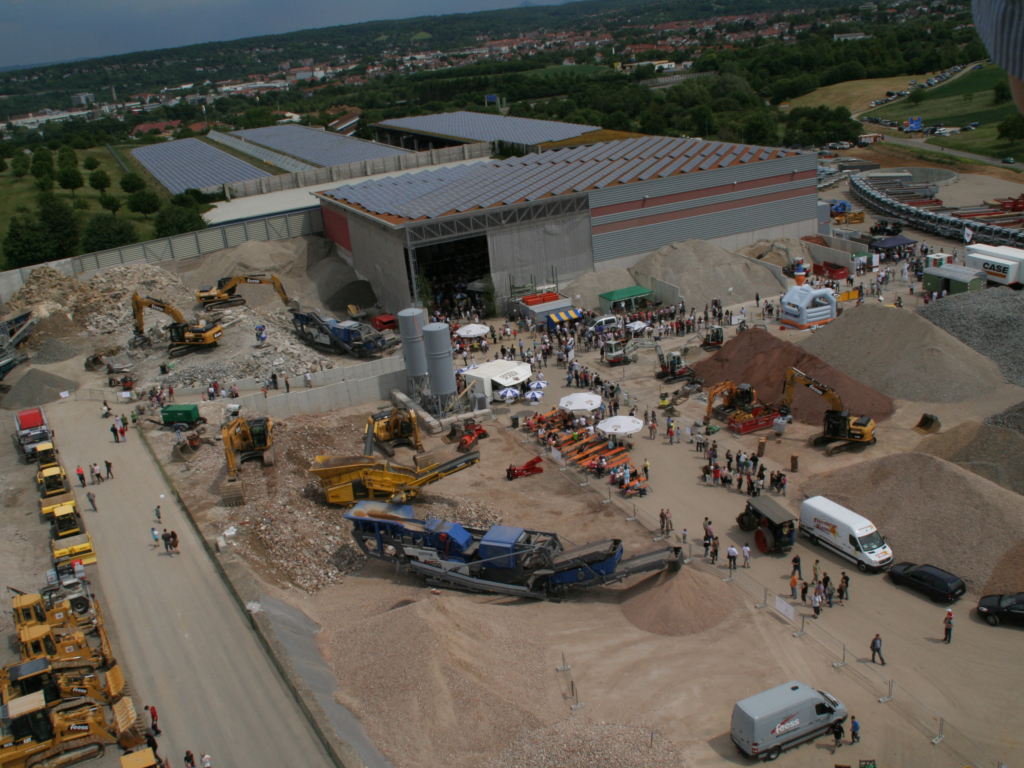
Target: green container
180,414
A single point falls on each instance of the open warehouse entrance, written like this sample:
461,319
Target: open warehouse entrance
448,270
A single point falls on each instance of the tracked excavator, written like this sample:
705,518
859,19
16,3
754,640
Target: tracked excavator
223,294
185,337
673,367
386,430
33,734
246,439
735,398
347,479
840,430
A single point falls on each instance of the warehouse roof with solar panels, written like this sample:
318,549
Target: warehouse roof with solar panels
321,148
193,164
438,192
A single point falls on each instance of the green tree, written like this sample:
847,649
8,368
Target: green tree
44,183
145,201
3,165
25,243
42,168
1001,92
70,178
91,163
703,120
20,165
61,226
132,183
760,128
176,220
99,180
104,232
110,203
67,158
1012,128
916,96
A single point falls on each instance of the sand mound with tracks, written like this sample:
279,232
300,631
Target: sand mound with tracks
677,604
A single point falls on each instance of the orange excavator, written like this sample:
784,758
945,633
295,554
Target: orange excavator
736,399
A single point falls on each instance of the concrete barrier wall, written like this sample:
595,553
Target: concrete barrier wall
820,254
342,394
842,244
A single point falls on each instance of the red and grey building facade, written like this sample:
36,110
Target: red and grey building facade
572,210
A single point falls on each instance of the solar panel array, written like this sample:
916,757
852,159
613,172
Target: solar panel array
433,193
261,153
479,126
318,147
193,164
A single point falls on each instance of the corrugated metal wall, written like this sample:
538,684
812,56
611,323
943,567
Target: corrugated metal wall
648,237
528,251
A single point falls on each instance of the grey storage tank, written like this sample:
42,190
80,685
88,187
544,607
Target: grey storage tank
410,328
437,342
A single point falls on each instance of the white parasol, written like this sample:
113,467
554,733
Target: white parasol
580,401
620,425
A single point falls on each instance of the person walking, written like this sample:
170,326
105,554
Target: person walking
837,733
166,537
205,761
796,566
116,433
854,729
714,550
661,518
792,585
844,588
81,475
947,625
647,469
92,499
156,537
876,648
174,542
151,743
816,603
816,570
287,385
707,544
803,592
731,554
153,720
746,555
190,760
159,519
110,470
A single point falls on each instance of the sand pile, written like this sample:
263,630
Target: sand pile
1011,418
904,356
307,266
579,742
987,321
703,272
995,453
774,251
37,387
589,286
761,360
464,679
677,604
932,511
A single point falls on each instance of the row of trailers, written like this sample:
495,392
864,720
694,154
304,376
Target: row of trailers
916,206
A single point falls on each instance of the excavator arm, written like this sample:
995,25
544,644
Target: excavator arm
139,304
726,388
224,294
794,377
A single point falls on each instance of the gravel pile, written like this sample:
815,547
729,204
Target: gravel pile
774,251
37,387
677,604
589,286
757,358
903,356
1011,418
53,351
703,272
47,291
988,321
579,742
995,453
933,511
286,528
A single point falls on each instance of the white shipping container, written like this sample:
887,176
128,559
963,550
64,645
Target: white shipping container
997,268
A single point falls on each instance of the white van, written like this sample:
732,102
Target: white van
845,532
783,717
600,324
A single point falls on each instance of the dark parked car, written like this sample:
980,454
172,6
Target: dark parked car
939,585
1000,609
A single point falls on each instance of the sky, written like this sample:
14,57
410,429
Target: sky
40,31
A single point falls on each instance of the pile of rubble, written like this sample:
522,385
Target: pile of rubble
116,287
48,291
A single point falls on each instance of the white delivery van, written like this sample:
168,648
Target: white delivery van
845,532
600,324
782,717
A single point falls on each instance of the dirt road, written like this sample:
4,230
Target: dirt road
186,645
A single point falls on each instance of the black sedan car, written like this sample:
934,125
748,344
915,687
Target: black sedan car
1000,609
939,585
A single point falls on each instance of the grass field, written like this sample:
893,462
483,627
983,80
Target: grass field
15,193
984,141
572,69
855,95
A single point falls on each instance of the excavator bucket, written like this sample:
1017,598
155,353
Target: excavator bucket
928,424
232,494
182,452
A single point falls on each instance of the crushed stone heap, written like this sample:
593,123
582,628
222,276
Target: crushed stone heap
993,452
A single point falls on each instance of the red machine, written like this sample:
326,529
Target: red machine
472,434
384,322
532,467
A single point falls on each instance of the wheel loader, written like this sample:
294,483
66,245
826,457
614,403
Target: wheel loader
386,430
63,690
34,734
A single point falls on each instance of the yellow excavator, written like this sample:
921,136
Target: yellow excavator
840,430
246,439
185,337
34,734
223,294
742,398
386,430
347,479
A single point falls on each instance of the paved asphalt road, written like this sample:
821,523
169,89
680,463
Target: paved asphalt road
920,144
186,646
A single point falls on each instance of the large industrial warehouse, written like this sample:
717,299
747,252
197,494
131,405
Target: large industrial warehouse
565,212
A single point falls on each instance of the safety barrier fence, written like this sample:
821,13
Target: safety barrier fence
842,656
572,693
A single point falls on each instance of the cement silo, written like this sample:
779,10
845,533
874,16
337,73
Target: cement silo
410,328
437,342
